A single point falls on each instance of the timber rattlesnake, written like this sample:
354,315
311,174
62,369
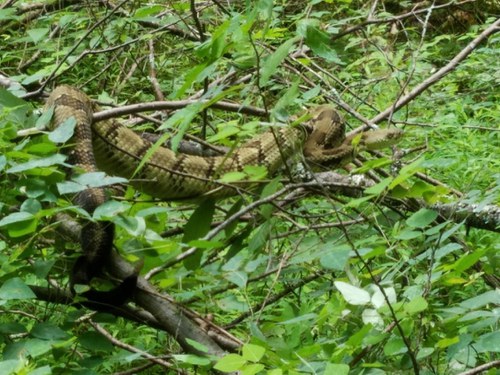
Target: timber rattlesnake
117,150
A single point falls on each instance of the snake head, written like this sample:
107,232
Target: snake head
381,138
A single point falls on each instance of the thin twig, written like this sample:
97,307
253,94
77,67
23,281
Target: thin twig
131,348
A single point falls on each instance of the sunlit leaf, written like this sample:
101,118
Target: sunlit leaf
252,353
416,305
230,362
353,294
192,359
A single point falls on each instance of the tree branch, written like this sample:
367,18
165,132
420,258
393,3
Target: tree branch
175,104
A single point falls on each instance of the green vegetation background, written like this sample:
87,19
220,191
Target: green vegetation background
298,282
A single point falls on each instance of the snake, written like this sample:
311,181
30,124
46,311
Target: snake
112,147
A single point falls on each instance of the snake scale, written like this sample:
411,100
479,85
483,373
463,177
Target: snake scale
115,149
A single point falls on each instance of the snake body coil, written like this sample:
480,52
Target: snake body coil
96,238
117,150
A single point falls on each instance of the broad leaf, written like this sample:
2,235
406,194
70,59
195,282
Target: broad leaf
15,289
272,62
230,362
353,294
422,218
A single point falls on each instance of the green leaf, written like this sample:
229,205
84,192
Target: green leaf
64,131
69,187
321,45
95,342
11,328
446,342
98,179
179,121
230,362
205,244
416,305
8,13
135,226
422,218
238,278
266,210
37,347
234,208
424,352
15,289
231,304
312,93
337,369
372,164
48,331
19,223
378,299
467,261
419,188
354,203
253,353
406,172
356,339
255,172
334,258
197,227
488,342
379,188
43,121
260,236
215,46
299,319
272,62
230,177
252,369
198,346
196,74
8,100
476,302
199,223
147,11
192,359
56,159
88,180
12,366
31,205
37,35
353,294
407,234
16,217
395,346
281,110
225,132
41,268
110,209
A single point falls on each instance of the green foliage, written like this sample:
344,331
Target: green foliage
315,284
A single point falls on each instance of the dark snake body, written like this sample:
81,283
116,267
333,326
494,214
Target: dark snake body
96,238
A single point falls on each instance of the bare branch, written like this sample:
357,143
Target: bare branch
481,369
405,99
177,104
